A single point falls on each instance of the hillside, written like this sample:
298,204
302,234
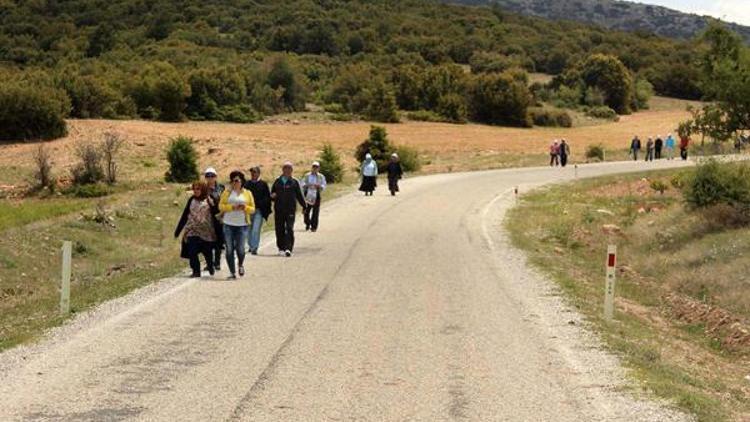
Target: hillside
241,60
620,15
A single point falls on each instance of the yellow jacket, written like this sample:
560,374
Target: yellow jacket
225,206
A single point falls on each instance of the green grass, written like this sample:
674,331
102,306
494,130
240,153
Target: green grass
15,214
660,252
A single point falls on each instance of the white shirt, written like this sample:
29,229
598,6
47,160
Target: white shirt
311,180
235,218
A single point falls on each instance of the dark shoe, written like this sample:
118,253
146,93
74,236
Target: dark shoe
288,253
314,230
253,252
195,275
232,277
217,267
242,271
307,227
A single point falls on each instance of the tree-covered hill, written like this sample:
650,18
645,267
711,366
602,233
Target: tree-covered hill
614,14
240,59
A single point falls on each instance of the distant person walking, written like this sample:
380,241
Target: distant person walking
237,206
197,226
554,154
658,145
286,194
684,144
564,152
635,146
669,144
650,149
369,172
215,189
262,198
395,173
313,184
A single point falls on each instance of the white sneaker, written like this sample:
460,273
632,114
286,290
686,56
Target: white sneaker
282,253
288,253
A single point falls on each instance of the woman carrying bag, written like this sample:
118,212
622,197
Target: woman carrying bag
237,207
197,226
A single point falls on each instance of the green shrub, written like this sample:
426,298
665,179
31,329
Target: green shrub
334,108
595,152
424,116
90,97
500,99
32,112
160,92
89,168
409,158
659,186
550,118
602,112
94,190
379,104
453,108
377,144
330,164
715,185
183,160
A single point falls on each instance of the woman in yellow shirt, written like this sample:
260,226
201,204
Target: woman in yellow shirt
237,207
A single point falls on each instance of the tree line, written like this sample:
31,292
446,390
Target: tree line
238,60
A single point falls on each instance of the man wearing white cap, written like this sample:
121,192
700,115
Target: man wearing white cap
215,189
312,185
286,193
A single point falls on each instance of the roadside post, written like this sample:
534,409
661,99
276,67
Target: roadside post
576,170
515,193
67,252
609,283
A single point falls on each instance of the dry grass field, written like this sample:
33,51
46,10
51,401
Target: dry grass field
444,147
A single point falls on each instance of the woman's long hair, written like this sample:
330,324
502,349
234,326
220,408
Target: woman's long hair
204,189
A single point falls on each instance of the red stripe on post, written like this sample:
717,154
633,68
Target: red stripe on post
611,260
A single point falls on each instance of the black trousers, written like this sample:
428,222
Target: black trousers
683,153
312,214
195,247
284,231
563,160
657,153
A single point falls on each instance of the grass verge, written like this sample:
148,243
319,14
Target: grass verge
682,298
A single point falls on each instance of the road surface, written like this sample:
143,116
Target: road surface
407,308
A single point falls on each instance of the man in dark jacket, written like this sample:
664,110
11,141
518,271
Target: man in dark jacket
286,193
395,173
215,189
658,145
262,197
635,146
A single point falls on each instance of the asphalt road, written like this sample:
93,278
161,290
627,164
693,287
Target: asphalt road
405,308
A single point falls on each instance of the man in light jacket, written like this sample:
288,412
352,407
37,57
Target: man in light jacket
313,184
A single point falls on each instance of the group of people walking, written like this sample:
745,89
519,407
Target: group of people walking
657,145
559,151
217,218
369,172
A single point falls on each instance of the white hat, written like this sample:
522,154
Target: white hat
288,164
315,164
394,155
368,156
210,171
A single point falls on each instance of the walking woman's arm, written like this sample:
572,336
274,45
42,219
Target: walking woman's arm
250,206
299,197
183,219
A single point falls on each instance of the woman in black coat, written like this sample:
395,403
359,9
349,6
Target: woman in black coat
197,228
395,172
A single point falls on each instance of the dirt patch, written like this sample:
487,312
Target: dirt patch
732,332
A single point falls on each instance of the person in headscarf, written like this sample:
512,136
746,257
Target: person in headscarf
395,172
554,154
197,226
369,172
313,184
564,152
286,194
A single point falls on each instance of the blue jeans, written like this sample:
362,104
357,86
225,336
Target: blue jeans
235,238
257,227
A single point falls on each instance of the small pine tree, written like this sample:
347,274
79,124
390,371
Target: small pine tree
330,164
377,144
183,160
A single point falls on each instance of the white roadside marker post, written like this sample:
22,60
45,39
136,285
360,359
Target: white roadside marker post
576,169
609,283
67,252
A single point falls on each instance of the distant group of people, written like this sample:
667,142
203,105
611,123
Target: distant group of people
559,151
657,145
217,217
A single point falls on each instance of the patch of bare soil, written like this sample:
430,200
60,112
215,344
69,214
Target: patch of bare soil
732,332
